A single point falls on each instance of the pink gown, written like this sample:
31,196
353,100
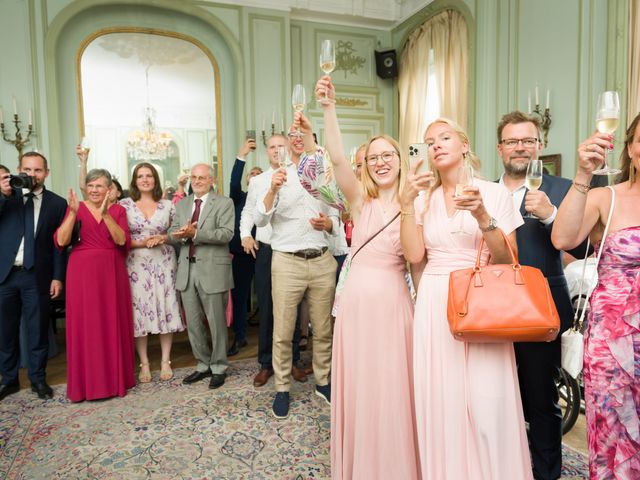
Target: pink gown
372,412
99,324
612,361
468,409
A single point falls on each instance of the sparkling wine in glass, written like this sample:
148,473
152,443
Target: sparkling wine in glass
464,178
327,62
298,100
282,157
607,120
85,145
533,179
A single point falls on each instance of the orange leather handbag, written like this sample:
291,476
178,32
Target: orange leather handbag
501,303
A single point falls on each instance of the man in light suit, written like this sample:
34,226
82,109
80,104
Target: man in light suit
538,363
31,272
204,224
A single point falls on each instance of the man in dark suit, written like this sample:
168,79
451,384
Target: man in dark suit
243,264
31,272
204,224
538,363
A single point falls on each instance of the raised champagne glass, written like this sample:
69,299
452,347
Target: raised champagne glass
464,178
327,63
607,121
533,179
85,145
298,100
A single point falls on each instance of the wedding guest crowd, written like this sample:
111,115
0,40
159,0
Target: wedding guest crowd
407,399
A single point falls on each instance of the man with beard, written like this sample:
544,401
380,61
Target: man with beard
31,272
538,363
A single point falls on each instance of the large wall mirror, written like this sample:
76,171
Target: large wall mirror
147,95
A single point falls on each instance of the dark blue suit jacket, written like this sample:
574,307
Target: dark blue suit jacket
239,198
535,248
50,263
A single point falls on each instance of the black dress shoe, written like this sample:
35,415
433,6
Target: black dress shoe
43,390
235,348
217,380
196,377
6,390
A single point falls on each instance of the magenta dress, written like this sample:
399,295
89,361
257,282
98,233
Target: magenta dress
468,409
372,414
99,324
612,361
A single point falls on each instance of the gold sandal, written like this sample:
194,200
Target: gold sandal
165,372
144,376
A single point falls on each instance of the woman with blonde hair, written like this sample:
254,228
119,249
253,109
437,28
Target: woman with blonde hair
468,410
372,419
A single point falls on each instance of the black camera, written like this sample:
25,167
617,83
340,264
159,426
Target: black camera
22,180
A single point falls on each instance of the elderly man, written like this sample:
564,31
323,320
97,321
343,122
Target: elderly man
302,266
204,224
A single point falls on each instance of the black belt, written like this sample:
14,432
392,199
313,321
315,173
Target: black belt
309,253
19,268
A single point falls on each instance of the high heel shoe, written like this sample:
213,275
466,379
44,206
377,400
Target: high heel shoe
165,372
145,374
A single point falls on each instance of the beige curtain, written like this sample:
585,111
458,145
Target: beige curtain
445,34
633,94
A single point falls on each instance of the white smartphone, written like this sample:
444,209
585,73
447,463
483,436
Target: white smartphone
419,151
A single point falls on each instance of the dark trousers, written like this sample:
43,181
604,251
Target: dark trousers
243,267
265,309
538,365
19,298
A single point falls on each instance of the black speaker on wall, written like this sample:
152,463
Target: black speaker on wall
386,64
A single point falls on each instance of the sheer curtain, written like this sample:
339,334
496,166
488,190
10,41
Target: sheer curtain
443,36
633,93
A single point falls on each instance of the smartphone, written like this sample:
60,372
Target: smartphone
419,151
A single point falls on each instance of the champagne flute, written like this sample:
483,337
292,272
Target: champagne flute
298,100
85,145
464,179
282,157
533,179
327,63
607,121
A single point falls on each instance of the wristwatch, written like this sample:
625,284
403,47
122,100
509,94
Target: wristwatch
493,224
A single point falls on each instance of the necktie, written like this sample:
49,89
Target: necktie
29,241
194,219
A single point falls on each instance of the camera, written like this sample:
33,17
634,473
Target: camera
22,180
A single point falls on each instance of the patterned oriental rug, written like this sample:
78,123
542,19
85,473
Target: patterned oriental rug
165,430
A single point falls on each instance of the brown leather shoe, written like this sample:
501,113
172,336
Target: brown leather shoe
262,377
308,370
298,374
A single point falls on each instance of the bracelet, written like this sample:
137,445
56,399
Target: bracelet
581,187
406,214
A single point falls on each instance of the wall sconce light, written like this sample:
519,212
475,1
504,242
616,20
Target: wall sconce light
18,141
543,115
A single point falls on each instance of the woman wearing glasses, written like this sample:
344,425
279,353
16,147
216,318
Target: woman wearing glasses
468,410
372,419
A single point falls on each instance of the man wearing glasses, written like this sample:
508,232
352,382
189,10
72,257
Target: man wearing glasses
204,224
302,266
538,363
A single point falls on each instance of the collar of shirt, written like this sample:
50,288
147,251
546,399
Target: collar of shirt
517,195
36,193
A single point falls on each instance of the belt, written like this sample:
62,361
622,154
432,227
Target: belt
309,253
19,268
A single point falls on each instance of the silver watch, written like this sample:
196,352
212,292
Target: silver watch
493,224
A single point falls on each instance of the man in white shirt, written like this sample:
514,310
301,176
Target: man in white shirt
260,248
302,265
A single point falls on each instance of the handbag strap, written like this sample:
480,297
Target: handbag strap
514,255
375,235
577,322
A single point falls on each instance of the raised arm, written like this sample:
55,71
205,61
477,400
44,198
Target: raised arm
579,212
83,156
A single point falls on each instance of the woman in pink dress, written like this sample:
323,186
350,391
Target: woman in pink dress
612,340
99,324
468,410
372,420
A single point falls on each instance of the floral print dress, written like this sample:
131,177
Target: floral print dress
152,273
612,361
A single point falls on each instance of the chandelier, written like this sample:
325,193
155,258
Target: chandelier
148,143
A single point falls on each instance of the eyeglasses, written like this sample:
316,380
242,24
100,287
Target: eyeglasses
199,178
385,156
292,135
526,142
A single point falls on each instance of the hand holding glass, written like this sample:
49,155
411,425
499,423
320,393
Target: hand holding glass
327,62
533,179
464,179
298,100
85,145
607,121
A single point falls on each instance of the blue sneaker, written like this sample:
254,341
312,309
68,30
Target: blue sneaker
281,405
324,392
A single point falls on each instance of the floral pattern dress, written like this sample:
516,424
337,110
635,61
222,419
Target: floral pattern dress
152,273
612,361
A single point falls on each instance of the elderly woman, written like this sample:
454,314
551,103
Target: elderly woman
99,325
152,268
468,410
612,339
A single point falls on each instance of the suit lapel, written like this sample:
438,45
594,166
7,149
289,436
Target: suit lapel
208,207
43,212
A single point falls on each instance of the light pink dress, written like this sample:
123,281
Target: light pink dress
468,409
372,410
